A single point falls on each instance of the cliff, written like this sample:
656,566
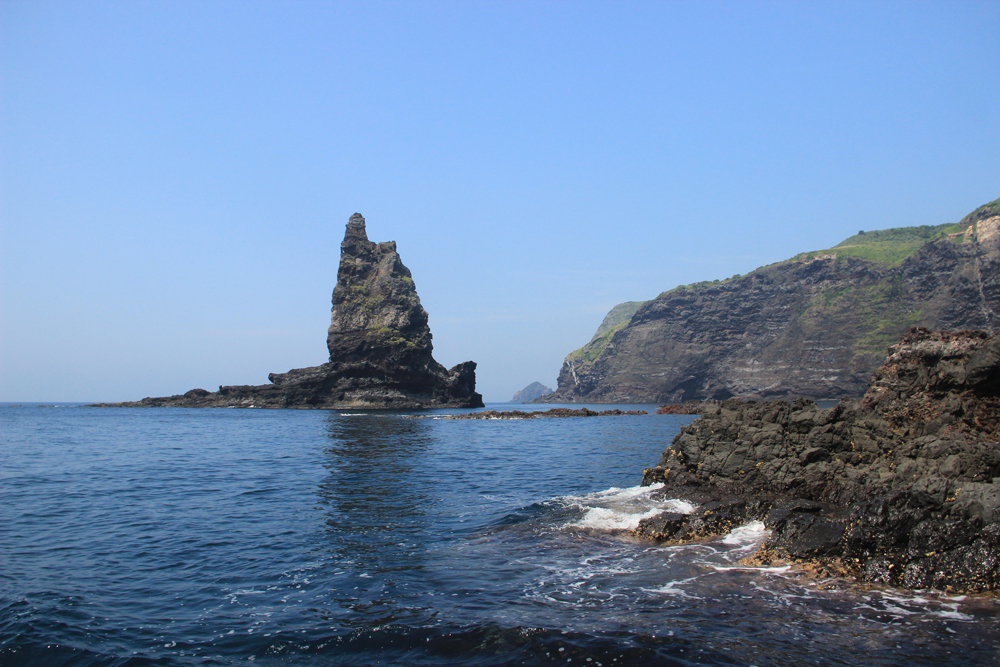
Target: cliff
816,325
379,343
901,488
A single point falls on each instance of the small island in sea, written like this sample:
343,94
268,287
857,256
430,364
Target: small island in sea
379,342
530,393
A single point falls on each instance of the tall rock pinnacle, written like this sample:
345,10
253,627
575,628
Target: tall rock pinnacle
376,315
379,342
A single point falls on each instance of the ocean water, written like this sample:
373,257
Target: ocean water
287,537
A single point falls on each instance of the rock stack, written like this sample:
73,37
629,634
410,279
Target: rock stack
379,342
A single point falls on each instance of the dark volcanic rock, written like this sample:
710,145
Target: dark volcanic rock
901,488
685,408
815,326
379,343
547,414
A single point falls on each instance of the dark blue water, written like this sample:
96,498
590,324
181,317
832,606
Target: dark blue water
271,537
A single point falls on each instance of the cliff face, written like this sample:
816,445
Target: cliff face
813,326
379,342
901,488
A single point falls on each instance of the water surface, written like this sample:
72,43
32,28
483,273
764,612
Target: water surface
217,537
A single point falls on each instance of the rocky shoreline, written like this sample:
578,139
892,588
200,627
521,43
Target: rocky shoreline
901,488
554,413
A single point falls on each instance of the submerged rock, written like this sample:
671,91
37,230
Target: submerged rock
900,488
379,342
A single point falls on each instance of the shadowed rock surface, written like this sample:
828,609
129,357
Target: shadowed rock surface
900,488
379,342
817,325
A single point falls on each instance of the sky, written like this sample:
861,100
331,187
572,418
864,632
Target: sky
175,177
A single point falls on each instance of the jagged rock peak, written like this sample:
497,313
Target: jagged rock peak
375,302
356,236
379,343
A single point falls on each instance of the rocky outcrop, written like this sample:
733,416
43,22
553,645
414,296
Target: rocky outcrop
533,391
379,343
900,488
815,326
686,408
554,413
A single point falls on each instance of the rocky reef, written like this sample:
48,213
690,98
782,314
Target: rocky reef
554,413
900,488
816,325
379,342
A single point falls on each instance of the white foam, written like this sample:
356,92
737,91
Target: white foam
747,534
615,493
603,518
679,506
674,588
622,509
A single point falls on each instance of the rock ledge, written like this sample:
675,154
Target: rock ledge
901,488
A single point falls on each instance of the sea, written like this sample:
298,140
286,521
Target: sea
169,536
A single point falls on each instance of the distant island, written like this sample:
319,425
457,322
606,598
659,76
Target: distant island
379,343
815,325
531,392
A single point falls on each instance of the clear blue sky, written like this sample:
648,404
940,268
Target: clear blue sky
176,176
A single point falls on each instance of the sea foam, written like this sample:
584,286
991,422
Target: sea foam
622,509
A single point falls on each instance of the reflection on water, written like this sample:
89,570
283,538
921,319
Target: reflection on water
371,495
375,514
288,537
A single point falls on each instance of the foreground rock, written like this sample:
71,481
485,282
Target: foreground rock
900,488
379,343
816,325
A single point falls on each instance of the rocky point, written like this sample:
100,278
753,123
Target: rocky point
900,488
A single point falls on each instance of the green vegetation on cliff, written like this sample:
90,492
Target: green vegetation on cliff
981,213
613,322
888,246
814,324
618,316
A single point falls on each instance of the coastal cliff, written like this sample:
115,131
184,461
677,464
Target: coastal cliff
379,343
816,325
900,488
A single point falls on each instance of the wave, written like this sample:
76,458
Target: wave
618,509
